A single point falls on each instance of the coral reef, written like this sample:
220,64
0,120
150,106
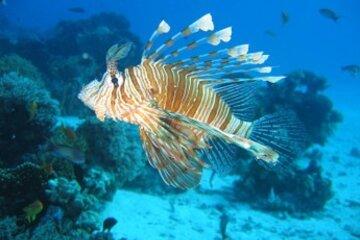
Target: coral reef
296,191
69,75
21,186
302,93
15,63
119,150
99,182
88,220
47,195
68,195
8,228
28,114
47,229
67,58
72,38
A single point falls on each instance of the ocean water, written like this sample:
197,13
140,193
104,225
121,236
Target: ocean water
63,172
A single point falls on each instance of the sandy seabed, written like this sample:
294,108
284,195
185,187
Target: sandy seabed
193,215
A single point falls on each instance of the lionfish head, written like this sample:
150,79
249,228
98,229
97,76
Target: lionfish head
96,93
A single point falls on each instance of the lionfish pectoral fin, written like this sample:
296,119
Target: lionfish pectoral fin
220,155
175,159
172,148
241,98
277,139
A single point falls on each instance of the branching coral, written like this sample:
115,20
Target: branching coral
302,92
28,114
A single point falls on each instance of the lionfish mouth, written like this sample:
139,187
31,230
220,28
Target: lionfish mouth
89,92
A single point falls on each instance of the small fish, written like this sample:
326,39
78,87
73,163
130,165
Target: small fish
330,14
76,10
182,105
71,154
285,17
270,33
353,69
32,109
32,210
109,223
69,133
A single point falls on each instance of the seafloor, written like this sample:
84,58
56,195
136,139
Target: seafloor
193,215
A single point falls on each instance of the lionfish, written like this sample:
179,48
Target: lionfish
192,111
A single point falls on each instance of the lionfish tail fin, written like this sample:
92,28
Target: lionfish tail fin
277,139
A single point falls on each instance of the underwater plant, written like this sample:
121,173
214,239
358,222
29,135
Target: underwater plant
28,115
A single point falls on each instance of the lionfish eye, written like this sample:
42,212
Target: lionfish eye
114,80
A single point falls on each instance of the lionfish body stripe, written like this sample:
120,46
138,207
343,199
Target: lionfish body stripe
189,111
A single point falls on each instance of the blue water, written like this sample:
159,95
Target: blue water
309,41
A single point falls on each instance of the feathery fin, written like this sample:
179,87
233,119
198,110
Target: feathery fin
241,98
163,28
220,155
283,133
204,23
